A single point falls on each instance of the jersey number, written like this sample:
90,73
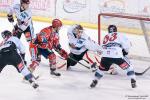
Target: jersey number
108,38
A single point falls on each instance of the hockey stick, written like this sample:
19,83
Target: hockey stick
38,76
75,61
88,67
141,73
61,66
79,63
82,59
86,61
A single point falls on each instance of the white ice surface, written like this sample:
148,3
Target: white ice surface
74,85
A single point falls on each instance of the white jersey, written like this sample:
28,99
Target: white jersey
79,43
22,16
11,41
113,44
82,44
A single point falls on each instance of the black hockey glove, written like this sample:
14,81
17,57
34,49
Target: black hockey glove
16,30
10,18
124,52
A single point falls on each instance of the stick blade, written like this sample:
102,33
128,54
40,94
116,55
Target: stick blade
138,73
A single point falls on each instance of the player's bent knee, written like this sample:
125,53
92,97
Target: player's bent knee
52,56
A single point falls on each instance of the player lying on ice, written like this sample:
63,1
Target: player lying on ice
12,52
115,48
45,42
80,44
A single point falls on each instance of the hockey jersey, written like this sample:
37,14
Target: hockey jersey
79,43
114,43
47,39
23,17
12,43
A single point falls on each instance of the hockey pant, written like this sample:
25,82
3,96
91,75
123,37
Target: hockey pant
122,63
13,58
29,32
78,58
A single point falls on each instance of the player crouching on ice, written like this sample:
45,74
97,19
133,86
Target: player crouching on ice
80,44
115,48
44,43
9,55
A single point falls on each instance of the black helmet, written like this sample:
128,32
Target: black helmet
112,28
5,34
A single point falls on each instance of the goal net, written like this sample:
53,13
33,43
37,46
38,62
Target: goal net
139,26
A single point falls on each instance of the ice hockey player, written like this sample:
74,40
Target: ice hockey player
115,48
79,44
23,15
45,42
77,41
12,53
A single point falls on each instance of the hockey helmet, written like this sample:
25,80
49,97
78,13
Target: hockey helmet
5,34
78,28
56,23
112,28
25,1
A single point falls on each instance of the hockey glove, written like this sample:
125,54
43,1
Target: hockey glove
16,30
10,18
63,53
124,52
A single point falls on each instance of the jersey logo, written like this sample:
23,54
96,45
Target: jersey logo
24,15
